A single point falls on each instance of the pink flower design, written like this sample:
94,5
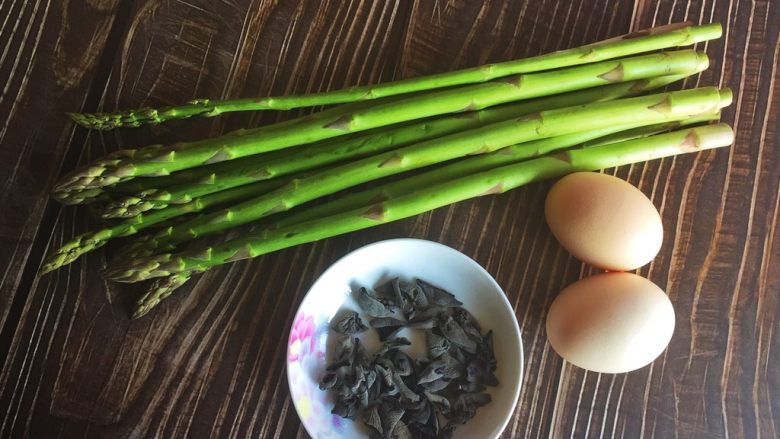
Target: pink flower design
301,341
314,409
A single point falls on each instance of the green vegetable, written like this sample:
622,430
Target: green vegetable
649,40
89,193
483,162
471,132
649,130
317,127
493,181
262,167
163,287
657,108
89,241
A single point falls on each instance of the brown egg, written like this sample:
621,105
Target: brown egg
610,322
604,221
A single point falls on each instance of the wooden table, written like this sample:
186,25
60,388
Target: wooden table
210,361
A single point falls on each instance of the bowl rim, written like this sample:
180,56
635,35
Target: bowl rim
468,260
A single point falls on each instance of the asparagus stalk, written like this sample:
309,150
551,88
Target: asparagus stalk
92,194
89,241
161,288
467,98
644,131
164,286
137,185
494,181
134,186
89,193
261,167
663,107
471,165
649,40
112,194
508,155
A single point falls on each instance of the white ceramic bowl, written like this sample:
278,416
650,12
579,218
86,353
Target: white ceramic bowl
373,264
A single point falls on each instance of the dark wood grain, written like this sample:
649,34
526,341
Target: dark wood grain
210,361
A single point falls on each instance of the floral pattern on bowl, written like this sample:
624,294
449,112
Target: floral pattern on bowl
306,361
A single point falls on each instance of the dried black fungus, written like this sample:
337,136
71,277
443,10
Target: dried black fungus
397,396
328,380
404,391
436,385
471,387
390,344
426,318
437,344
345,349
418,298
372,420
402,363
346,408
401,431
371,305
438,400
390,412
348,323
437,295
455,333
445,367
402,292
386,327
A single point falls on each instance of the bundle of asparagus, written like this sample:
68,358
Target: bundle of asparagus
450,137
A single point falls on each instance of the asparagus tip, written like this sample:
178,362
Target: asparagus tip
45,268
76,117
160,289
88,121
141,310
55,261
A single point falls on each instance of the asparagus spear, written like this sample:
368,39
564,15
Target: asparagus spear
467,166
494,181
644,131
510,154
164,286
134,186
675,35
473,164
657,108
89,241
90,193
260,167
473,97
161,288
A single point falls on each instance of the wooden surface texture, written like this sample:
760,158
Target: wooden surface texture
210,361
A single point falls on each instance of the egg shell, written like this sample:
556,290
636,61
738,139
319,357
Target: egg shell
610,322
604,221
